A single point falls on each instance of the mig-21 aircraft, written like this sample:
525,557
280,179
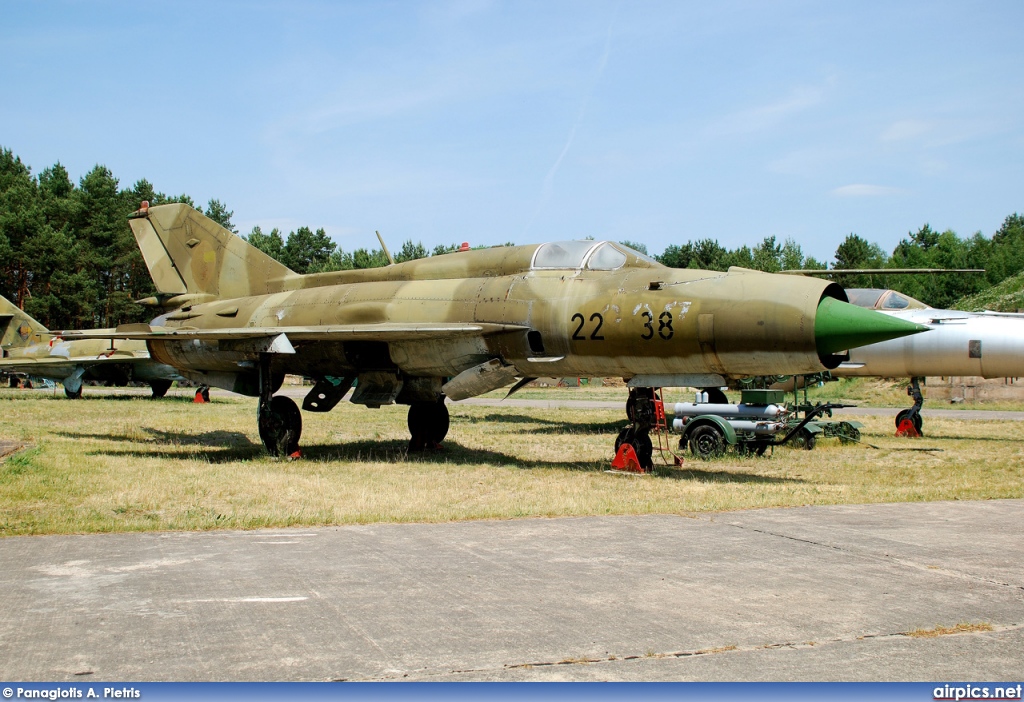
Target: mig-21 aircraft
30,349
462,324
985,344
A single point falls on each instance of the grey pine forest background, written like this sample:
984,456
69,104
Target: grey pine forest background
69,258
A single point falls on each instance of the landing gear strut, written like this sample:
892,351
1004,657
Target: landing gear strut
278,418
640,410
428,424
912,413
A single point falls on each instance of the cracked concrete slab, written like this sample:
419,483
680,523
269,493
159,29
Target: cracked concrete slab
818,593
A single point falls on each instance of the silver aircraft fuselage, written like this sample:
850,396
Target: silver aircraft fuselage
986,344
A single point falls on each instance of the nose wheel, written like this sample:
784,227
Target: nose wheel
640,440
428,424
911,414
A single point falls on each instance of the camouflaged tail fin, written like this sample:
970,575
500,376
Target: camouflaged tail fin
17,328
187,253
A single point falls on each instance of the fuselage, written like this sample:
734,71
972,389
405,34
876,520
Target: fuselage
587,308
117,362
959,344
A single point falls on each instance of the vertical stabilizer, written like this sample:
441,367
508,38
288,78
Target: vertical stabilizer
188,253
17,328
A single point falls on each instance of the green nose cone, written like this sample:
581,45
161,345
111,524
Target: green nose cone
839,326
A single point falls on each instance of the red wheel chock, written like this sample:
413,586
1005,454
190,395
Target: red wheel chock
907,428
626,460
199,399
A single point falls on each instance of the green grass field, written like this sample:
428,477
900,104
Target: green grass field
118,461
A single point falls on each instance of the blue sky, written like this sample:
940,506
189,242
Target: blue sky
489,122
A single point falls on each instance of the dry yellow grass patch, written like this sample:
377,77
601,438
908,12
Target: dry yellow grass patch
961,628
128,463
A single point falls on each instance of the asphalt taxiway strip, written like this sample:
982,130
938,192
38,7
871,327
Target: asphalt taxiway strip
816,593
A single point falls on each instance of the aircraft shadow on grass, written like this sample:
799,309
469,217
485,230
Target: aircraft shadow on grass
453,453
135,397
214,446
225,447
554,426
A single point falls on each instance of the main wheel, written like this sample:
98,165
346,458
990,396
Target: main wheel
706,441
160,387
73,394
716,396
428,424
905,414
280,426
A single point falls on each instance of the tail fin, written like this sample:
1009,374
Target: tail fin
17,328
187,253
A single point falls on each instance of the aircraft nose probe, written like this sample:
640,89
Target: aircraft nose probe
839,326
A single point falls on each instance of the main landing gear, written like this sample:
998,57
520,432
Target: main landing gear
160,387
641,412
278,418
428,424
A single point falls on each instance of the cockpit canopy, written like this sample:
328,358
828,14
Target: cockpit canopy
592,255
876,299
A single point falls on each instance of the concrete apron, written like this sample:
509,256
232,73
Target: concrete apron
818,593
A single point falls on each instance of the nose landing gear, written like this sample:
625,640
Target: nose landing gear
908,421
641,411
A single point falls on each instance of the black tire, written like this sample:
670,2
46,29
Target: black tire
644,449
905,414
641,443
707,442
160,387
281,426
624,436
428,424
716,396
807,440
76,395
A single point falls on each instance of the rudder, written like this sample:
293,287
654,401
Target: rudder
17,328
188,253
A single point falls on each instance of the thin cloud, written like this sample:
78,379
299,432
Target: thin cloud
763,117
865,190
549,179
905,129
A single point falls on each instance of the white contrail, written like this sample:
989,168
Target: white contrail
549,179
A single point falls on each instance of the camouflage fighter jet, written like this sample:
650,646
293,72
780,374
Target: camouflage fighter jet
30,349
462,324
